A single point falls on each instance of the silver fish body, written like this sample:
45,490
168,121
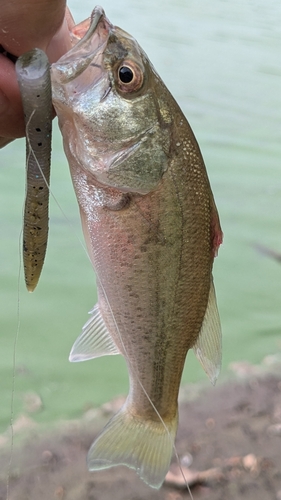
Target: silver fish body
152,231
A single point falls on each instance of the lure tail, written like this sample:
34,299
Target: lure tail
143,445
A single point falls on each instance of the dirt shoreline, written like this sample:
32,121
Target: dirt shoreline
229,442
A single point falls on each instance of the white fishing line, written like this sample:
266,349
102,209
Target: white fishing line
14,359
123,346
14,355
114,320
31,151
143,388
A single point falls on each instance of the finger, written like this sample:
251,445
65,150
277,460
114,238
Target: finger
11,112
4,141
60,43
69,19
30,23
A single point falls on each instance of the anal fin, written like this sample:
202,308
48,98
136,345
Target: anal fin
208,345
94,341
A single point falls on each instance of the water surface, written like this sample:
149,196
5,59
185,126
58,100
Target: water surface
221,61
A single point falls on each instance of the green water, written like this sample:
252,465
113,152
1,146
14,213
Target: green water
221,60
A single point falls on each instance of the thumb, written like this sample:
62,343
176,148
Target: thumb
11,113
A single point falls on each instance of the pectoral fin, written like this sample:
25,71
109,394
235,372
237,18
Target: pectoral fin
208,345
94,341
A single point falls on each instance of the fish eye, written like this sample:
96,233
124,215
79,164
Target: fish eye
126,75
129,77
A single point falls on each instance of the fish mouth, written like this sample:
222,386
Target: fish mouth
87,53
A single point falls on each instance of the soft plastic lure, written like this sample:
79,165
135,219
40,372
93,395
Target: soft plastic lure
33,73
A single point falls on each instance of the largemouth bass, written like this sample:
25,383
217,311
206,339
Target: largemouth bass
152,231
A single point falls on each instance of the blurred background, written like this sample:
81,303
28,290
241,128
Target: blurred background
221,61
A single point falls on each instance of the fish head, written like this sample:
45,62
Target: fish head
109,101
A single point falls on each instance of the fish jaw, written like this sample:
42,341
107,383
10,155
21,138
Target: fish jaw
84,53
117,138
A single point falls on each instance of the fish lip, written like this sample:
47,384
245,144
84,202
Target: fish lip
76,60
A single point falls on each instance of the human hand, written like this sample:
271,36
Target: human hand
24,25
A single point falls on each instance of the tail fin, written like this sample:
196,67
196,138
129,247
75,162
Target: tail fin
143,445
